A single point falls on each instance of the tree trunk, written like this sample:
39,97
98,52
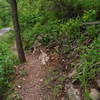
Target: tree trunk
17,30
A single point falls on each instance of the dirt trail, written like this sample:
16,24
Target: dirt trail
30,79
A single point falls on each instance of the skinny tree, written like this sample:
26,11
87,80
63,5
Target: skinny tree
19,45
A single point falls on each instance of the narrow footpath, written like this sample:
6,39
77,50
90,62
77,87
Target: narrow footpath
29,79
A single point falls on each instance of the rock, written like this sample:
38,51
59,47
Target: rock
41,80
94,94
71,92
23,79
98,82
19,86
66,67
43,58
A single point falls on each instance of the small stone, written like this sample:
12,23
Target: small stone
43,58
19,86
71,92
98,82
66,67
63,60
94,94
24,79
41,80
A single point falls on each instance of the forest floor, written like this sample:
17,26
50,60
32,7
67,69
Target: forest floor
29,79
47,76
42,78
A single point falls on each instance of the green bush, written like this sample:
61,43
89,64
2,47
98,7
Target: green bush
48,32
5,18
7,61
89,65
66,9
41,17
91,31
71,29
89,16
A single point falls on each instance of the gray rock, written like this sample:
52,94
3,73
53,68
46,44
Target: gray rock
71,92
94,94
98,82
43,58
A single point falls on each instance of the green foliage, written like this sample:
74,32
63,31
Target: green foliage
8,38
47,32
54,82
66,9
89,65
91,31
43,17
71,29
4,14
59,22
7,61
89,16
14,96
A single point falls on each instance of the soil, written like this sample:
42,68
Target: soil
29,79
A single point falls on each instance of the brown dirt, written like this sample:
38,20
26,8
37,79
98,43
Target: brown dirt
29,79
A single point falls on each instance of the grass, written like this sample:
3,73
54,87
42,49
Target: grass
88,66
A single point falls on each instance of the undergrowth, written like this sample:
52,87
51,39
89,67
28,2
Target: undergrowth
89,65
7,62
59,24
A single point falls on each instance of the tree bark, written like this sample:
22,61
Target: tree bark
19,45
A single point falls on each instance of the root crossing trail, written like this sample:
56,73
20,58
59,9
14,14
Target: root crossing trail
30,79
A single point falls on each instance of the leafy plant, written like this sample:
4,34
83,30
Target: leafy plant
7,60
89,66
71,29
89,16
5,18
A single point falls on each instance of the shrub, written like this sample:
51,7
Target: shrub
7,60
91,31
47,32
89,16
4,14
71,29
89,65
66,9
